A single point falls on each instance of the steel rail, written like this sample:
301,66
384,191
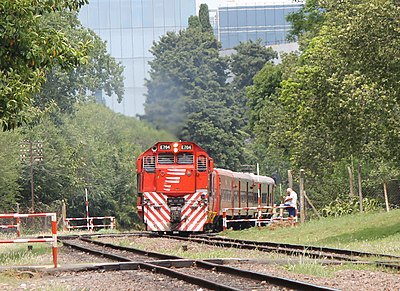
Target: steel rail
300,247
154,266
310,251
263,248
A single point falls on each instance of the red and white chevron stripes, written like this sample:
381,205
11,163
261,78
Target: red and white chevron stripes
157,213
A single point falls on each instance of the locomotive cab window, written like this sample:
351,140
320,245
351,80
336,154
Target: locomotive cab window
149,163
185,159
201,163
166,159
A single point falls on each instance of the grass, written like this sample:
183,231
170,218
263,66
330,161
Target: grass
372,232
369,232
18,254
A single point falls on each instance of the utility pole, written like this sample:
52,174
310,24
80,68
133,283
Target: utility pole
31,152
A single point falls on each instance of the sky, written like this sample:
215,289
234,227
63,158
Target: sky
213,4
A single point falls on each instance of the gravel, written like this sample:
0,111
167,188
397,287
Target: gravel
145,280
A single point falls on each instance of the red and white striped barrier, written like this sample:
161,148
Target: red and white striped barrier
90,225
53,240
12,226
259,218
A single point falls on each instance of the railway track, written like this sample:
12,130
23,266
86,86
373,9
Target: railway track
208,274
381,260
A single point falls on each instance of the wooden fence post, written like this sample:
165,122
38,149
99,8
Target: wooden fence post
386,196
302,202
64,215
312,205
290,178
351,181
360,197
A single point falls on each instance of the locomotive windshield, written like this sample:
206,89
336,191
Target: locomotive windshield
166,159
185,159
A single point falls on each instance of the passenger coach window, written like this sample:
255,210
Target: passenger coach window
149,163
185,159
165,159
201,163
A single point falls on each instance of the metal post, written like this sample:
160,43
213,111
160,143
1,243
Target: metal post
32,186
224,223
35,152
258,196
18,222
54,235
87,209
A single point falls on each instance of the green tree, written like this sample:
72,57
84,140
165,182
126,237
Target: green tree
10,167
249,58
204,18
306,22
187,93
95,149
28,49
101,72
345,93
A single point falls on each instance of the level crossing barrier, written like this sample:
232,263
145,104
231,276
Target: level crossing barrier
53,239
16,226
90,225
273,214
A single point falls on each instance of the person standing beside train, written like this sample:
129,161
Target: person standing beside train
290,202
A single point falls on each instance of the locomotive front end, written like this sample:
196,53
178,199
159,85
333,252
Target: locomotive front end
172,187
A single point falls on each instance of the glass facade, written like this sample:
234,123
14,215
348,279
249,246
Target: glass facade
242,23
129,27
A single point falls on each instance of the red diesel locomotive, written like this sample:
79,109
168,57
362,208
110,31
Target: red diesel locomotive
179,190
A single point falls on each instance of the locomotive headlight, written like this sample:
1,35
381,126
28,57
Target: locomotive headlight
175,145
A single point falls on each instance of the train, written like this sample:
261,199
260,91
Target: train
180,191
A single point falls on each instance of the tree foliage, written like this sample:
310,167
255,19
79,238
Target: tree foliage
101,72
29,47
307,21
95,149
188,96
338,102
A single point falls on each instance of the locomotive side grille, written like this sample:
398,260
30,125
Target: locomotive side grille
165,159
201,163
185,159
149,163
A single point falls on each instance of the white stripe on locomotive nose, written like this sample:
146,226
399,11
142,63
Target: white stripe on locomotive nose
176,174
177,170
157,223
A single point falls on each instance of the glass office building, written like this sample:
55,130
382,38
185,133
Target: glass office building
129,27
241,21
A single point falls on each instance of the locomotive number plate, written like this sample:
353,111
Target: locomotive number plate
186,147
165,147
